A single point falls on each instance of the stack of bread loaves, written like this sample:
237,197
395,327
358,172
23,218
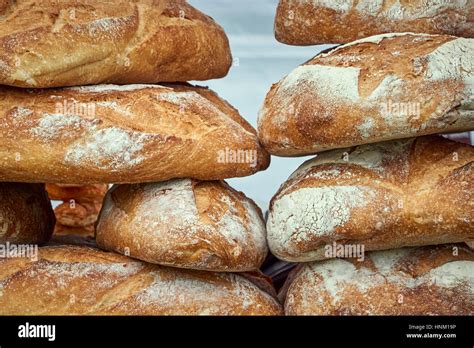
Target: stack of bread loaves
386,182
168,147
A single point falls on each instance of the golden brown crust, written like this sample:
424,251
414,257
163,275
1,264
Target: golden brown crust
80,208
184,223
387,195
413,281
123,134
85,231
77,214
69,280
26,215
311,22
79,193
380,88
71,42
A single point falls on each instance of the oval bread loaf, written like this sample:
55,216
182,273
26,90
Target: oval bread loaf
123,134
72,280
26,215
184,223
311,22
380,88
410,281
79,42
409,192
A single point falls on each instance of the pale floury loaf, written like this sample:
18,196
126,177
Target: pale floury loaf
78,42
410,281
310,22
78,280
184,223
409,192
123,134
380,88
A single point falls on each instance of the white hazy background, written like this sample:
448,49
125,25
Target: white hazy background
262,61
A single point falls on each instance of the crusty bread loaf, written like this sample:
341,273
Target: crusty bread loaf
387,195
78,193
80,208
26,215
380,88
311,22
68,280
79,42
410,281
77,214
123,134
185,223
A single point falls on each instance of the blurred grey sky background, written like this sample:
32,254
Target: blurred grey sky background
262,61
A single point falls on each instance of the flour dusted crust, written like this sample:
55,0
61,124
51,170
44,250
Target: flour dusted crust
184,223
52,43
73,280
411,281
310,22
380,88
26,215
123,134
410,192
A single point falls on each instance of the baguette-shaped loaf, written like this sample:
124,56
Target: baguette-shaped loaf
73,280
78,42
380,88
410,281
409,192
184,223
123,134
311,22
26,215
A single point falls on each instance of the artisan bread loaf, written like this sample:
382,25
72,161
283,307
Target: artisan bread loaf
77,193
77,214
80,208
410,281
26,215
78,42
123,134
71,280
387,195
380,88
185,223
311,22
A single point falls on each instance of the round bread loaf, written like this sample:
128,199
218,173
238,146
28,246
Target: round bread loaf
72,280
387,195
311,22
26,215
185,223
123,134
410,281
55,43
380,88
